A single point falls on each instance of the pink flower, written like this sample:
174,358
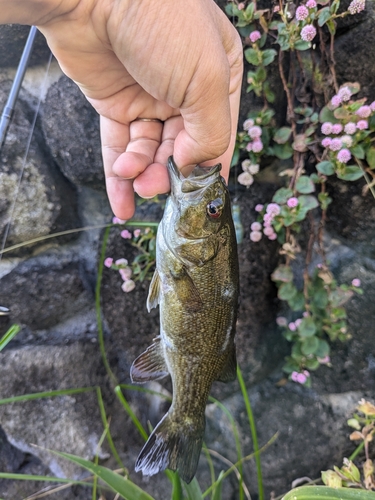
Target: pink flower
125,273
281,321
344,155
116,220
137,232
362,125
272,236
254,36
292,327
245,178
128,286
268,231
108,262
347,141
259,207
335,145
337,128
127,235
255,132
356,6
255,236
311,4
326,128
254,168
298,322
248,124
372,106
276,8
363,112
301,378
305,314
121,262
249,146
256,226
241,6
273,208
294,376
336,101
302,13
308,33
344,93
257,146
267,219
292,202
356,282
325,360
326,142
350,128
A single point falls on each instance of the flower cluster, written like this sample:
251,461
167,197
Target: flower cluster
249,170
122,266
272,210
300,377
356,6
305,15
254,132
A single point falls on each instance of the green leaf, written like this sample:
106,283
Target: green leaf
351,173
282,273
268,56
287,291
283,151
323,16
126,488
282,135
302,45
217,494
310,345
253,56
297,303
305,185
308,202
193,490
282,195
328,493
326,115
370,157
358,151
307,327
331,24
312,364
323,349
324,200
354,87
320,298
8,336
325,167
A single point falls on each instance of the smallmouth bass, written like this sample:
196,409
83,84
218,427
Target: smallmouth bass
196,286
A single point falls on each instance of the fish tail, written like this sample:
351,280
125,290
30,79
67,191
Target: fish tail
174,444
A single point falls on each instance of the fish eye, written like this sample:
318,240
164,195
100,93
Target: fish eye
215,208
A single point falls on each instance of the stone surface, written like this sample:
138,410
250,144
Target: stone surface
71,128
35,199
12,42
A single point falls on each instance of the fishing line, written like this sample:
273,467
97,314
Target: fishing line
28,144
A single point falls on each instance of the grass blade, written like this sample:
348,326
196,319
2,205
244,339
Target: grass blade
217,494
8,336
131,413
47,394
324,492
121,485
193,490
253,431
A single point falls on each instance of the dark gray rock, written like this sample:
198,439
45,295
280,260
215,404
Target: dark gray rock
12,42
71,128
35,199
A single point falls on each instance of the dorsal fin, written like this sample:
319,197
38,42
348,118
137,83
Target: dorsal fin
150,365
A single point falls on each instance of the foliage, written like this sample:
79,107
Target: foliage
326,132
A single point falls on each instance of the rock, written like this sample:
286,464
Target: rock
71,128
12,42
35,199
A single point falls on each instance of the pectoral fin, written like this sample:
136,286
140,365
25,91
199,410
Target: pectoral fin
150,365
229,371
153,292
186,291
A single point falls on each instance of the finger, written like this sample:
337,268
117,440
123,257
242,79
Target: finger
114,138
155,179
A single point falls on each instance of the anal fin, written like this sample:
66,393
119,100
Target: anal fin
150,365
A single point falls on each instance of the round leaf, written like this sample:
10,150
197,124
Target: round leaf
305,185
307,327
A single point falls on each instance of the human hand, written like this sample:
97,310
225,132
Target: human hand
179,61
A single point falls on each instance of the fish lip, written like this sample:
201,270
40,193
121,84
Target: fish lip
195,181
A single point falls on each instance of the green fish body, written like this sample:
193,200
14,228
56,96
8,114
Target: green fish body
196,286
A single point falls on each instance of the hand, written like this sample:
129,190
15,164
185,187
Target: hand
179,61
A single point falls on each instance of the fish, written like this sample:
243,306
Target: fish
196,285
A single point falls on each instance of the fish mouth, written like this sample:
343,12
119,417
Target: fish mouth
199,178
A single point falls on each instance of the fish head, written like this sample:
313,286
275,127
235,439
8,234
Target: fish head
200,202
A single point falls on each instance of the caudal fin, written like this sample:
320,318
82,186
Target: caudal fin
174,445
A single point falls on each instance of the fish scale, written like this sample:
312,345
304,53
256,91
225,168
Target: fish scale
196,287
